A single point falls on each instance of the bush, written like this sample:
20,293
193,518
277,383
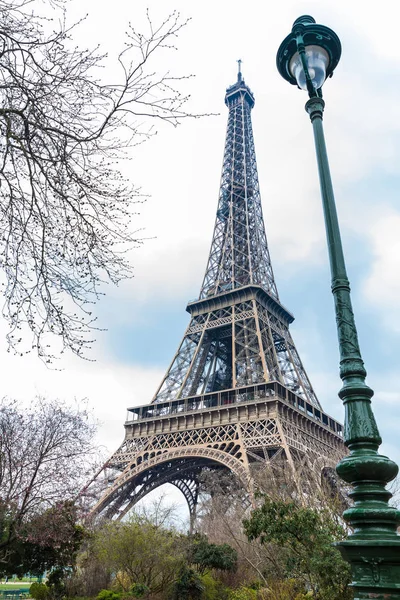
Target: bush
243,593
208,556
188,586
39,591
138,590
213,588
108,595
302,538
137,551
288,589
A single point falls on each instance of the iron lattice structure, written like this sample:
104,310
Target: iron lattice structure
239,331
236,393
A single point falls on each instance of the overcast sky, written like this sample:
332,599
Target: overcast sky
180,169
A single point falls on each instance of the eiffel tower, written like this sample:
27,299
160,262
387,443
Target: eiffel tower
236,395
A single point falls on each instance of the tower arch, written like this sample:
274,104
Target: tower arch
178,466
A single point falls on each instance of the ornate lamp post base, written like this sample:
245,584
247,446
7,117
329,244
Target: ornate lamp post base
375,568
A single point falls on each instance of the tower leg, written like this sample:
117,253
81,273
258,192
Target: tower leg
192,517
190,489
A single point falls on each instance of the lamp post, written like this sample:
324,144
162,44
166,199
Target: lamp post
306,57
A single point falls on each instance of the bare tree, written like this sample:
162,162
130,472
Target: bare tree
160,512
45,457
65,208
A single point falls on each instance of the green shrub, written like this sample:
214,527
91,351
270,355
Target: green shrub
213,588
188,586
108,595
39,591
139,590
302,538
286,589
208,556
243,593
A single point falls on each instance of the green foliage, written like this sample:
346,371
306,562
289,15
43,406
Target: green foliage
39,591
243,593
144,560
303,538
53,589
139,554
139,590
56,582
285,589
188,586
108,595
47,542
212,556
213,588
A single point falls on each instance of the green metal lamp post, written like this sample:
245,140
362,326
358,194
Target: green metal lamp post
306,57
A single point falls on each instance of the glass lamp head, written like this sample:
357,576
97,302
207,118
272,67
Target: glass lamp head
322,50
317,60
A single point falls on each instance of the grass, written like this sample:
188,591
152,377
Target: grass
16,585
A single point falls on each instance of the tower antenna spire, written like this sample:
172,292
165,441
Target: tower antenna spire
239,62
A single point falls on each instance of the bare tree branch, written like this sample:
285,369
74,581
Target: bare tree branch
65,208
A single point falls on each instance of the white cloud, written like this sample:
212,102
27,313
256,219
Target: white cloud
109,387
382,286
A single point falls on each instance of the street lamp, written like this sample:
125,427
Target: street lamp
306,57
